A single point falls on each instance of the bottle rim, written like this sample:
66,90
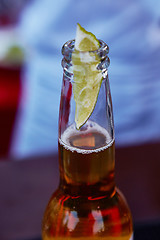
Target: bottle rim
68,48
102,52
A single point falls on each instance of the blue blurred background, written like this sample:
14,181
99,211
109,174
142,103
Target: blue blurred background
131,28
32,33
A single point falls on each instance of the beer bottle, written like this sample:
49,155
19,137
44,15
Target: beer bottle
87,204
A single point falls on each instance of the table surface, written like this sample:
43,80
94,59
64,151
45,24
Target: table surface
26,186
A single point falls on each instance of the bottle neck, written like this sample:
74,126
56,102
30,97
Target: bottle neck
102,114
86,156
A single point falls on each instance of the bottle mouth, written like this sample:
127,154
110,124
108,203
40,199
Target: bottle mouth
102,52
68,49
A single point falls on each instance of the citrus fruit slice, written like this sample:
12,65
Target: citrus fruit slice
85,41
86,77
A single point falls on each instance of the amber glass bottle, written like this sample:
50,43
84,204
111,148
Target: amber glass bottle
87,204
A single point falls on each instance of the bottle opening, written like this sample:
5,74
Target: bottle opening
69,48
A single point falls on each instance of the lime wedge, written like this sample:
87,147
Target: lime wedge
87,78
85,41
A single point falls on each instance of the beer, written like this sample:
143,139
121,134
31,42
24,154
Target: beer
87,204
87,158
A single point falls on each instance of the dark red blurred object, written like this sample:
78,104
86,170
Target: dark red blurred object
10,90
10,11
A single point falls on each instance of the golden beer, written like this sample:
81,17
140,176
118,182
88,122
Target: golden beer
87,202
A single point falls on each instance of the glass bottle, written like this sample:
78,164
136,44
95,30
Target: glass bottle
87,203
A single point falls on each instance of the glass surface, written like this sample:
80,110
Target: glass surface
87,204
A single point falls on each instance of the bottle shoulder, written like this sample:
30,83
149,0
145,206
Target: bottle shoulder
88,216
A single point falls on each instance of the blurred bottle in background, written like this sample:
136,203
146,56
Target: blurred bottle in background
11,64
